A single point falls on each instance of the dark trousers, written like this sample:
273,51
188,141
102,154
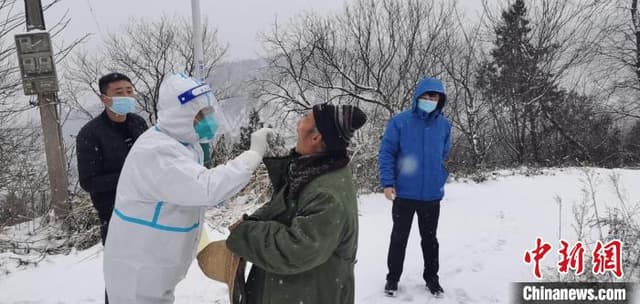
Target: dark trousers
428,215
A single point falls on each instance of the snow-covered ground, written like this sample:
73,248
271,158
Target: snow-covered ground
484,231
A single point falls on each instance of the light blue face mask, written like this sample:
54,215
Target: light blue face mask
206,129
122,105
427,105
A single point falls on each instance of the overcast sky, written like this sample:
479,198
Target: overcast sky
238,21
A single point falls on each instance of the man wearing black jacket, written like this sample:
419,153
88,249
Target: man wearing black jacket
104,142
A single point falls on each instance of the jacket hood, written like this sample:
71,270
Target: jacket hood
428,84
175,116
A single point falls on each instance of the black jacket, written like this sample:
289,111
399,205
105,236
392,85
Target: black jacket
102,146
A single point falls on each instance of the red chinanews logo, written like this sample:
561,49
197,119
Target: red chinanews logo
605,257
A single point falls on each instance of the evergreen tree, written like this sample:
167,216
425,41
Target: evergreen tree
516,86
220,152
245,132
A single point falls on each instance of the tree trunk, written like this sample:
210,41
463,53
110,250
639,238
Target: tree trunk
636,28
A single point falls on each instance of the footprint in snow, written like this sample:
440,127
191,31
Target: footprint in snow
461,296
499,245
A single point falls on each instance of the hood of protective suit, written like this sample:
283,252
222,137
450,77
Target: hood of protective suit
175,117
428,84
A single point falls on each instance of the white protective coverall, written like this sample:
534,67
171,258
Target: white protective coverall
162,194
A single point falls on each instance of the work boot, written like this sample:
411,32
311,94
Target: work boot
390,288
434,287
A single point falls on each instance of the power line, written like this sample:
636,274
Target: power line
95,20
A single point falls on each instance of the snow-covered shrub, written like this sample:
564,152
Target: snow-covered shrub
604,221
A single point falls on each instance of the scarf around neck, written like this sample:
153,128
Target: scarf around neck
304,169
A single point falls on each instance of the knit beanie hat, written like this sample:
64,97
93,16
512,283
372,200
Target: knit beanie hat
337,124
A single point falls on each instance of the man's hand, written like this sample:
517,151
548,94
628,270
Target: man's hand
390,193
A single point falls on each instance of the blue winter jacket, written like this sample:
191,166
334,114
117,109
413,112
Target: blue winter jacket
414,148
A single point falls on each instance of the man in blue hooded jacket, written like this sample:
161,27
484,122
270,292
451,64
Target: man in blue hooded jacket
412,173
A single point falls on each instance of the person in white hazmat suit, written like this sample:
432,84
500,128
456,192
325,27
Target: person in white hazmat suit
163,192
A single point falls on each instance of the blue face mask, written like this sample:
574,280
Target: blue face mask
206,128
427,105
122,105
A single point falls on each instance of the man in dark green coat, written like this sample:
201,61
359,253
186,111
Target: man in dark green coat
303,242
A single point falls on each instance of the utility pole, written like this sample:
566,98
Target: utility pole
37,68
198,59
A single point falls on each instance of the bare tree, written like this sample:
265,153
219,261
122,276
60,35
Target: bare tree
466,107
23,173
618,72
372,53
146,51
283,81
9,80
